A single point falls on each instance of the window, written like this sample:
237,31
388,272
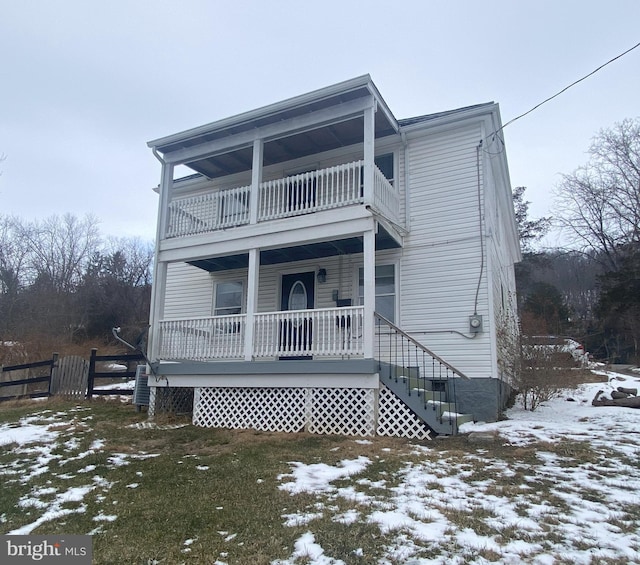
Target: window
228,298
385,290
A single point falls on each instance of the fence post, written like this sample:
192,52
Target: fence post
92,370
52,372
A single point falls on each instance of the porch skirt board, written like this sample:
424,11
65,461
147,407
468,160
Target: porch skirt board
360,412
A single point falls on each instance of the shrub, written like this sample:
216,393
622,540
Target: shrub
544,370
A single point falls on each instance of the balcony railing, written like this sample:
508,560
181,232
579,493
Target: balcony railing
326,332
209,212
324,189
310,192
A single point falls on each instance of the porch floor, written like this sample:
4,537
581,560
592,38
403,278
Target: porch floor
280,367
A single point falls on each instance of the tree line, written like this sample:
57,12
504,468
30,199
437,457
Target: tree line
63,283
589,289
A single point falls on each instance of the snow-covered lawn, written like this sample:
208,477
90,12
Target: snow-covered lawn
559,509
560,485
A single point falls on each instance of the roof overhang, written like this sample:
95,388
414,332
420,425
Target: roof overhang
312,123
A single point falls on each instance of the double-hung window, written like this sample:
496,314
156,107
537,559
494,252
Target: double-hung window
228,301
385,290
228,298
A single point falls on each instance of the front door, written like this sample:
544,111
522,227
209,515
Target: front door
298,293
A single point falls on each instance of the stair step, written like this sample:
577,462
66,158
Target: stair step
459,418
425,394
440,407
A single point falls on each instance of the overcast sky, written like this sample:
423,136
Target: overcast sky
85,84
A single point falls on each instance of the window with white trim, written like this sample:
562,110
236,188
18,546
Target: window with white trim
228,298
385,290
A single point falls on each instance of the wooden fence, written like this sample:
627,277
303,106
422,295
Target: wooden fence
29,390
71,377
111,374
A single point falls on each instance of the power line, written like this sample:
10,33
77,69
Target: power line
568,87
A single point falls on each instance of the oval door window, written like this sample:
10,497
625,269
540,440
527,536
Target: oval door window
298,296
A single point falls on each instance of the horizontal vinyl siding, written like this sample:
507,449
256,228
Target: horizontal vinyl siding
189,292
441,260
501,257
270,277
190,289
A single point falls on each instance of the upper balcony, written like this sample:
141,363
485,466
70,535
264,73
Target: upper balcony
333,134
296,195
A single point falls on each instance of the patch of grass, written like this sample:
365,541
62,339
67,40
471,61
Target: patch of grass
574,452
357,543
180,494
472,519
205,495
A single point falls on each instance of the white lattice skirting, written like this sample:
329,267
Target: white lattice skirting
345,411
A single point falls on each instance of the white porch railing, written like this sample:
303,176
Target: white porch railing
305,193
209,212
299,333
385,198
327,332
310,192
203,339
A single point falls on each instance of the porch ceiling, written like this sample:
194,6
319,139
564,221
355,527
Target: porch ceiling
326,134
301,144
316,250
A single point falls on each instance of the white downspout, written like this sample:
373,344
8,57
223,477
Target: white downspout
407,176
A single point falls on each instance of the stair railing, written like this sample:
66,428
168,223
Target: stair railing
404,360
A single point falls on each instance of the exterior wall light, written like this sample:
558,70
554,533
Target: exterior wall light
322,276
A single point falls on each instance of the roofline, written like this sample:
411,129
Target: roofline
452,116
315,95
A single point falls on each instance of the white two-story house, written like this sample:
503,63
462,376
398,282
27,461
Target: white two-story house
330,268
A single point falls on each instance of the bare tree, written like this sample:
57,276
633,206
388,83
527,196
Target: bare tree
60,248
13,253
599,203
13,260
116,288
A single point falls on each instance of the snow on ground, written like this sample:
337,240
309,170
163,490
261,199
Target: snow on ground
562,509
470,505
39,438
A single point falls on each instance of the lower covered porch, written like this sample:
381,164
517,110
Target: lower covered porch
404,390
318,397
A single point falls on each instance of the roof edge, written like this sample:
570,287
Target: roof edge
318,94
447,115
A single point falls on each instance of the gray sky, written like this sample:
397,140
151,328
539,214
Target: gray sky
85,84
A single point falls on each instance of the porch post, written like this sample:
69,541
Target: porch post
256,179
252,302
369,152
369,293
156,311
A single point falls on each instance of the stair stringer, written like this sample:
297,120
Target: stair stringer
422,403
